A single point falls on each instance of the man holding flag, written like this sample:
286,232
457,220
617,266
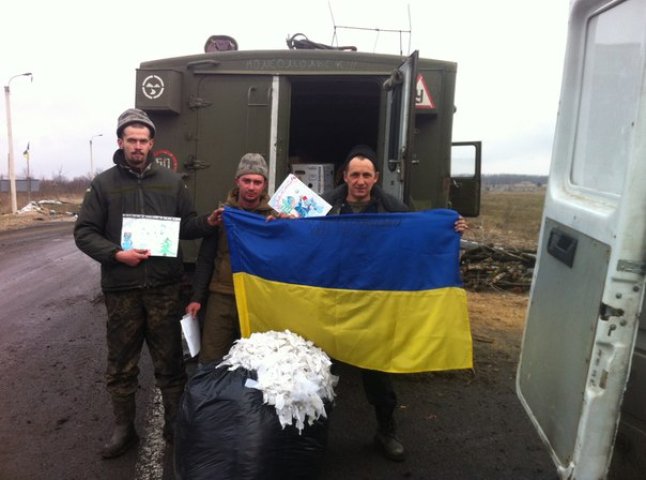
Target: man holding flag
361,194
380,292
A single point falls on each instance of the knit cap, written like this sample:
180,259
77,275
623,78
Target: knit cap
252,163
362,151
134,115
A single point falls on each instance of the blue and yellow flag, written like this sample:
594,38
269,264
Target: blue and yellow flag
379,291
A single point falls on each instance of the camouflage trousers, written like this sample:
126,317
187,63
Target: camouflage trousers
151,315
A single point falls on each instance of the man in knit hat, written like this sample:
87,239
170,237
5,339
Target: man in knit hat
141,291
360,193
213,280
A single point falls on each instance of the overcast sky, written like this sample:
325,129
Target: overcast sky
84,55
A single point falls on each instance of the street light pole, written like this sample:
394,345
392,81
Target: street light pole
12,173
92,155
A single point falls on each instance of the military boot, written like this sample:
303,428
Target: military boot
124,435
171,400
386,439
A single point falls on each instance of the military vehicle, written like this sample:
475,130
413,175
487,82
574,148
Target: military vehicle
581,376
303,108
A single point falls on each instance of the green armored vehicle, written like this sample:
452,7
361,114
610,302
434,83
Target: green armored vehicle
303,108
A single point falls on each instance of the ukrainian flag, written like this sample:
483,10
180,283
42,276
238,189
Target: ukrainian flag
379,291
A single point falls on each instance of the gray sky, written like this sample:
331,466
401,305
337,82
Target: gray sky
83,56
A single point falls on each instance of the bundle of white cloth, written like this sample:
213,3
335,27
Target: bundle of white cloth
293,374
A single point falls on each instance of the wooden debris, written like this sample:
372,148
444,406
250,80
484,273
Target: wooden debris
485,267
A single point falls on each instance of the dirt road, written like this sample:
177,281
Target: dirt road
54,410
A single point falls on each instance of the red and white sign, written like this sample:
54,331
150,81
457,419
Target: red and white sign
166,158
423,99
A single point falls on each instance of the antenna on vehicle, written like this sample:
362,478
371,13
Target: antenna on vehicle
409,32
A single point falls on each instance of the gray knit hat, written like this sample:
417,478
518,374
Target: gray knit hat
252,163
134,115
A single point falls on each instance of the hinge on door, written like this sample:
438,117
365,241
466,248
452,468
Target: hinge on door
402,163
396,78
631,267
194,164
197,102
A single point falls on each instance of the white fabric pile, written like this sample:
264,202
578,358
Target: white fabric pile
293,374
32,207
39,206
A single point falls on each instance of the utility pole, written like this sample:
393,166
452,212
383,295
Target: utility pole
92,155
12,173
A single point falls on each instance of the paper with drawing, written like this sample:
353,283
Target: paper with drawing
158,234
295,198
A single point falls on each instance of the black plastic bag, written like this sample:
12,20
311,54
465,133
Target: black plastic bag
225,432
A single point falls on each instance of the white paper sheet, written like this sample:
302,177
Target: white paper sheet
295,198
191,331
158,234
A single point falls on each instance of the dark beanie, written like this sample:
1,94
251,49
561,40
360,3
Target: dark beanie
362,151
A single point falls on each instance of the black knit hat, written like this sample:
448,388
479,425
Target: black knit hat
362,151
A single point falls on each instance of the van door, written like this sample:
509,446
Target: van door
587,293
398,146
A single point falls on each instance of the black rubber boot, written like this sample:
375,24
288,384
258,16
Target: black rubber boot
386,439
124,435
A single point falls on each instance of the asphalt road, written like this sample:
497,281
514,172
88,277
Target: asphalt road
54,411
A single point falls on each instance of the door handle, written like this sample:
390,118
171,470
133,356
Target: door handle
562,246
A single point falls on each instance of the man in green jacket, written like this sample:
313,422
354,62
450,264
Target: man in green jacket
141,290
213,280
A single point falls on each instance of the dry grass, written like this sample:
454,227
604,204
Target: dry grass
71,199
70,204
508,219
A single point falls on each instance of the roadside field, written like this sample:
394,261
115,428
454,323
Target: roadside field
508,219
60,209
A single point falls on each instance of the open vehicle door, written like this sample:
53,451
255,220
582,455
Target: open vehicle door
400,122
588,289
466,166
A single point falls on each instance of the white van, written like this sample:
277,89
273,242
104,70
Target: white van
583,360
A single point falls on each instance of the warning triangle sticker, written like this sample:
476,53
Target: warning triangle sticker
423,99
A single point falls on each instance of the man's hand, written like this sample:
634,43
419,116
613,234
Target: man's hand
461,225
133,257
272,217
193,308
215,219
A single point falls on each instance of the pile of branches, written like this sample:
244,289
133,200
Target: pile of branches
486,267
